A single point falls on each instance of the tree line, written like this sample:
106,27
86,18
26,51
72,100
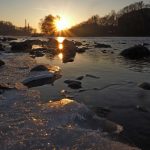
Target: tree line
132,20
7,28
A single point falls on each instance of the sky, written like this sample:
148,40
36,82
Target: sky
75,11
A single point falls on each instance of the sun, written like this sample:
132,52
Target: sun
61,24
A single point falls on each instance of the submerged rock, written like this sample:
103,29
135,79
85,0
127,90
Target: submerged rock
136,52
75,113
73,84
39,80
98,45
21,46
145,86
2,63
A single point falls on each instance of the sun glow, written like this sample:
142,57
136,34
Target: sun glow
61,24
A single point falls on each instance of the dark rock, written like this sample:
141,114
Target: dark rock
39,80
21,46
146,44
80,78
1,47
40,68
77,43
81,50
136,52
2,63
145,86
73,84
141,108
104,51
98,45
34,42
38,52
5,39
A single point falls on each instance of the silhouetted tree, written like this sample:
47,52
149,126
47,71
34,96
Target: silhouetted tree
47,24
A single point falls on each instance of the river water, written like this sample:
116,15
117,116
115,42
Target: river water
111,89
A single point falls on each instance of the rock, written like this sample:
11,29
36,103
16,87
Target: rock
80,78
2,63
145,86
34,42
98,45
1,47
69,51
5,39
39,52
136,52
40,68
39,80
141,108
104,51
77,43
146,44
21,46
73,84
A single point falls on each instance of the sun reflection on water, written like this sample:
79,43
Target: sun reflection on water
60,46
60,39
60,55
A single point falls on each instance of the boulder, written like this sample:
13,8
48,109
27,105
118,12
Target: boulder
145,86
2,63
40,68
136,52
39,80
98,45
69,51
21,46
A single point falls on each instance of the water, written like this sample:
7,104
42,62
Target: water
111,91
116,88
